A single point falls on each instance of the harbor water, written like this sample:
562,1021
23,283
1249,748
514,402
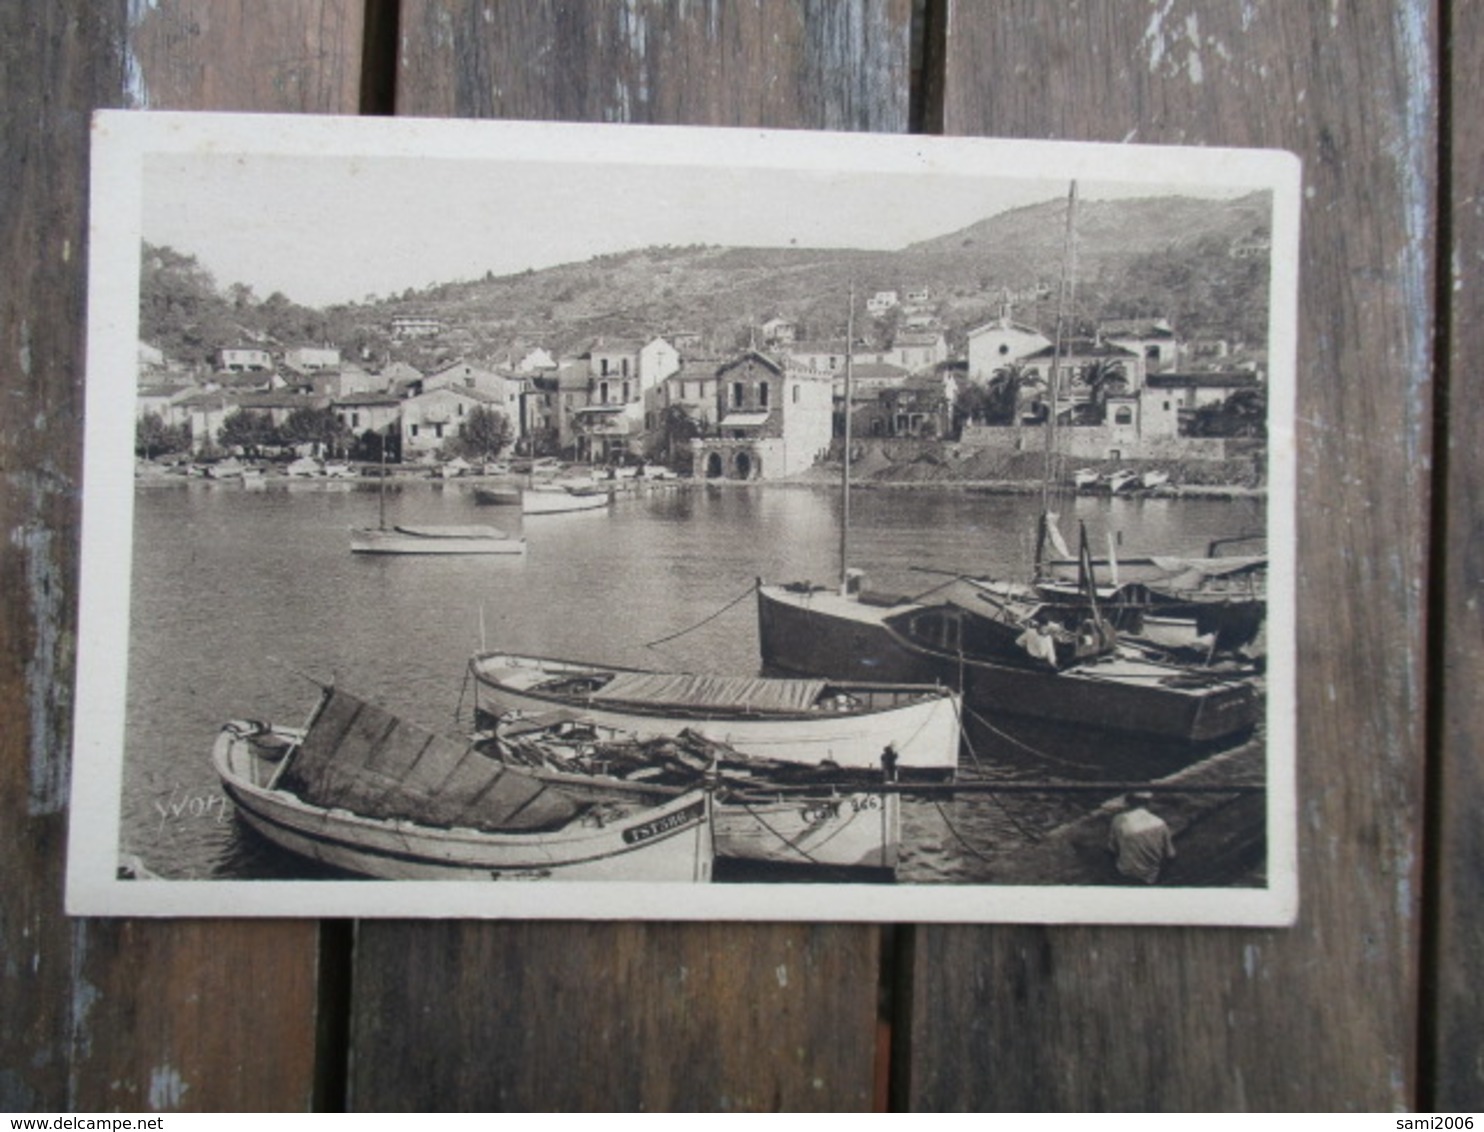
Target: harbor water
243,595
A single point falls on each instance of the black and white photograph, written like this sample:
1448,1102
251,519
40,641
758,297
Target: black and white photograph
528,520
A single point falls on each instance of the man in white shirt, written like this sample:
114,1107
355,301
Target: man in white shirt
1140,841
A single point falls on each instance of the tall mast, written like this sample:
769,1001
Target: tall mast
845,463
1063,301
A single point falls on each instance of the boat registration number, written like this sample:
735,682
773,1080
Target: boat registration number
667,824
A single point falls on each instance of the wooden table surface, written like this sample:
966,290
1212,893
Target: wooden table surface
1372,1001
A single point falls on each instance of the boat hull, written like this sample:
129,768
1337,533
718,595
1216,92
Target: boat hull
841,831
668,843
374,540
922,723
824,634
561,502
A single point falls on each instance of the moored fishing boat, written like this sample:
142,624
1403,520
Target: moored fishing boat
545,499
497,496
841,723
364,791
1039,675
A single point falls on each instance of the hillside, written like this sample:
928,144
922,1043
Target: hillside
1159,256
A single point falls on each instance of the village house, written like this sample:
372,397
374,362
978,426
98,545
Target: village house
774,420
407,326
279,405
919,407
243,359
1151,338
1080,358
536,360
918,350
693,388
549,405
311,359
881,302
997,344
1187,392
779,331
821,356
206,412
431,418
345,381
395,375
372,412
166,402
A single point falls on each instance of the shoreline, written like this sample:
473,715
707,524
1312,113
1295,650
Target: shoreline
813,480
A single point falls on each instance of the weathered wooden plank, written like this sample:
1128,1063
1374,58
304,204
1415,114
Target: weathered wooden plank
613,1016
303,57
587,1016
1322,1015
775,63
1456,844
115,1014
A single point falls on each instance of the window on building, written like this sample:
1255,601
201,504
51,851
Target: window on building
796,394
412,430
355,420
762,394
737,392
626,388
603,367
1004,348
1123,415
603,392
626,367
438,431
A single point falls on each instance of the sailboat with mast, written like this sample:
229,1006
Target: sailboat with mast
1007,653
404,538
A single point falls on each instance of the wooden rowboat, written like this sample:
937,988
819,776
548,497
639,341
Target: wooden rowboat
762,811
839,723
364,791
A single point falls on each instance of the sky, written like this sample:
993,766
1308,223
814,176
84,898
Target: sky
335,229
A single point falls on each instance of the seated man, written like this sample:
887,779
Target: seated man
1140,840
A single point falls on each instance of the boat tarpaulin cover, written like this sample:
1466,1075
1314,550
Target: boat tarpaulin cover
364,759
727,693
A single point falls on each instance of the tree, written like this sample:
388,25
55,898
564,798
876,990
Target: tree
1103,377
320,427
484,434
671,443
153,437
249,431
1243,413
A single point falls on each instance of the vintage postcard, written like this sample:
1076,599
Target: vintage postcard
504,519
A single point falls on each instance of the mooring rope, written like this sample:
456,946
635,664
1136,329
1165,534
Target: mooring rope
743,596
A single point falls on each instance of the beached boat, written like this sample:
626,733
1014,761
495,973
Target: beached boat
364,791
839,723
550,500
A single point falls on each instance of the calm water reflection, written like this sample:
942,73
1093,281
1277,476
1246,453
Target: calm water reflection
236,590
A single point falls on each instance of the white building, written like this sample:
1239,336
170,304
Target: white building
998,343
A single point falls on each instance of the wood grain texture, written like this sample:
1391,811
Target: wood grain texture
94,1014
594,1016
659,1017
816,64
1323,1015
1457,842
300,57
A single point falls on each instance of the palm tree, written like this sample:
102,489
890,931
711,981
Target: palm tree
1006,386
1103,377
